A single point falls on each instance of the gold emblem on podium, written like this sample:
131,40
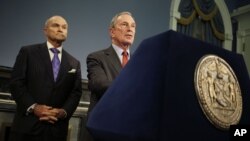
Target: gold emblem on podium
218,91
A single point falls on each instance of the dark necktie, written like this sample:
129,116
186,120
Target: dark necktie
124,58
55,62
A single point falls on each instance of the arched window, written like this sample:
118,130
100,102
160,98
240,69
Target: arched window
202,19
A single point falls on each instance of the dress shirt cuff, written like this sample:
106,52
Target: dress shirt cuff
30,110
64,113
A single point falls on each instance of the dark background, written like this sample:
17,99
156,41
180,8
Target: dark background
21,23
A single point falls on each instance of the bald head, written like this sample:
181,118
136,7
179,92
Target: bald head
54,18
56,30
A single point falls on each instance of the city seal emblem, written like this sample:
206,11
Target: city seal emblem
218,91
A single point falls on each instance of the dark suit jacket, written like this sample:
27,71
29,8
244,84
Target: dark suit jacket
103,67
32,82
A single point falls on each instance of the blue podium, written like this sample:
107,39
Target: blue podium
154,98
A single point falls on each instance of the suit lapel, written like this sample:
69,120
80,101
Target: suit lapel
44,53
113,59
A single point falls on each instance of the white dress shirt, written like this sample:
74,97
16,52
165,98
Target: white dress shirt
119,51
51,54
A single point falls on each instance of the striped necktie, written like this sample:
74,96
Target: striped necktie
124,58
55,62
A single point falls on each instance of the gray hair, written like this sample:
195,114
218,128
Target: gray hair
114,19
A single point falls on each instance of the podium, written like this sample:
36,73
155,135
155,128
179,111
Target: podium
154,97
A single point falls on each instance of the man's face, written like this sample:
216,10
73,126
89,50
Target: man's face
56,29
124,31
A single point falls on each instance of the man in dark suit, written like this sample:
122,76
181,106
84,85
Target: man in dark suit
103,66
46,95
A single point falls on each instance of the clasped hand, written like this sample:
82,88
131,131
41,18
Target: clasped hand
48,113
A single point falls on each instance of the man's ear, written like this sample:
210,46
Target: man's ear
111,32
45,31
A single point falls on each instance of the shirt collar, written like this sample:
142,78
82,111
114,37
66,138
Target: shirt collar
49,45
119,50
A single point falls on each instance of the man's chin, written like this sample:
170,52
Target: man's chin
129,43
61,40
126,44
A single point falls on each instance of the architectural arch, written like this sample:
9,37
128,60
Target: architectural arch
227,43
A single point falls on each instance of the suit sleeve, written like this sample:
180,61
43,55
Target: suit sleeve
18,83
98,81
75,95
